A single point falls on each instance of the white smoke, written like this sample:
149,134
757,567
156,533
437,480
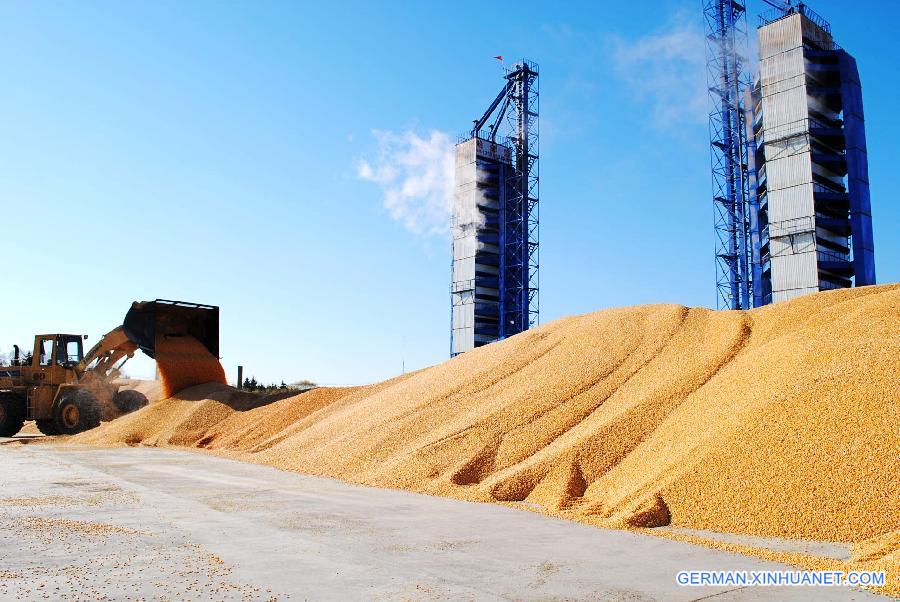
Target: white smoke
668,70
415,175
468,218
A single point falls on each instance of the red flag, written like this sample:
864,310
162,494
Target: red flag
499,58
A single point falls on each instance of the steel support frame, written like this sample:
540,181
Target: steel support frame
726,34
520,283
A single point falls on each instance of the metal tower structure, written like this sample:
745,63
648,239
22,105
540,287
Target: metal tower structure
496,221
726,35
520,305
808,160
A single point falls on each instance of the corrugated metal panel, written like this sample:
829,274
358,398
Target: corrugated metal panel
791,144
464,269
784,85
780,36
784,108
778,247
781,66
464,247
804,243
465,152
463,339
794,271
464,317
791,203
788,172
792,244
792,236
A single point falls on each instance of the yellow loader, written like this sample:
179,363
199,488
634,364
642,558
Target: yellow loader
66,391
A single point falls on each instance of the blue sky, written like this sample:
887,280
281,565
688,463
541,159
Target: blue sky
225,152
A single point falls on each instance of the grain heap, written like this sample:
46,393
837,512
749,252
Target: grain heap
184,362
781,421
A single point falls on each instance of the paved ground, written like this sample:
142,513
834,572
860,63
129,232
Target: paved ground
160,524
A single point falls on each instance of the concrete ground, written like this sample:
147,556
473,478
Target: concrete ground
160,524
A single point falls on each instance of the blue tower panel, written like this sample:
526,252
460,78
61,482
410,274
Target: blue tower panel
857,172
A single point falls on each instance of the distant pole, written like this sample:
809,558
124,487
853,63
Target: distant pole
240,383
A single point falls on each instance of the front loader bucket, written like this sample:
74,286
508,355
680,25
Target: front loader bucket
148,320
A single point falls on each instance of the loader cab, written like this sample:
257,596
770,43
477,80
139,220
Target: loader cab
69,349
64,350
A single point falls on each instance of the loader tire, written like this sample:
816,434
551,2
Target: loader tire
129,401
76,411
12,415
48,427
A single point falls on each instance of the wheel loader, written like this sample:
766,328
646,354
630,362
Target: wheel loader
66,391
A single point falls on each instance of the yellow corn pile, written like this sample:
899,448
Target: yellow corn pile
781,421
184,362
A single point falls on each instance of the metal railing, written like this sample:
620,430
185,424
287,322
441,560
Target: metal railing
822,45
462,286
793,129
775,14
827,189
795,225
829,255
818,123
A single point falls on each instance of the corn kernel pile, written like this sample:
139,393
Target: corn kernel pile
780,421
184,362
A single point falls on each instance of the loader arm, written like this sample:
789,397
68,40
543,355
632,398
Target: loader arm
106,357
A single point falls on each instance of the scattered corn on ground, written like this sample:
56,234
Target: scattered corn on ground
183,362
782,421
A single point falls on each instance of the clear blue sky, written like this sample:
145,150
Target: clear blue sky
211,152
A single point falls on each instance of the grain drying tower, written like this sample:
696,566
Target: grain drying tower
810,209
494,272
